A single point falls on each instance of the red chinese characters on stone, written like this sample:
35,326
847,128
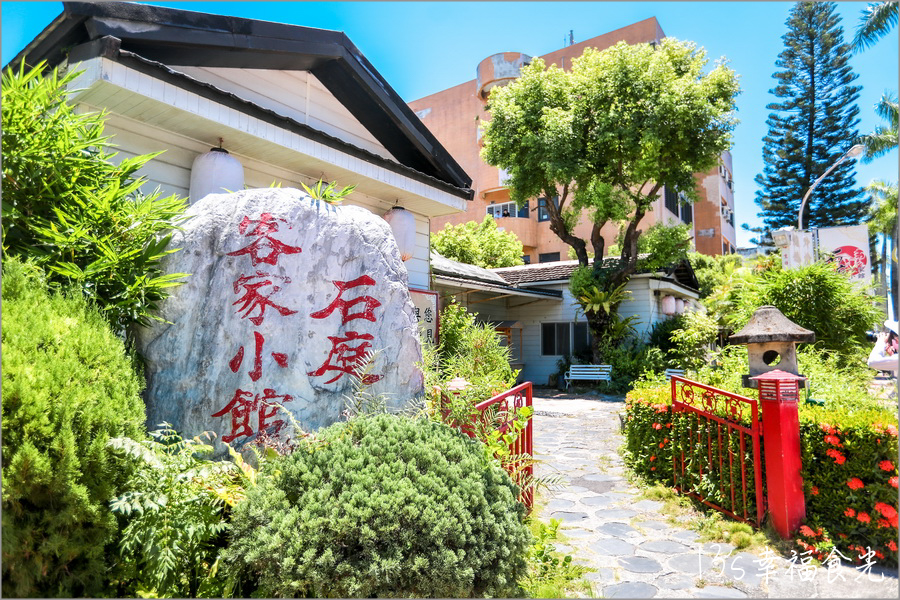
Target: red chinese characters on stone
244,405
345,306
235,363
346,358
265,248
254,300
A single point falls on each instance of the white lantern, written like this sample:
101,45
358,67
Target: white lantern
668,305
215,172
403,224
679,306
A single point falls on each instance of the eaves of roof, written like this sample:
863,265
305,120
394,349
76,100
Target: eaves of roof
174,37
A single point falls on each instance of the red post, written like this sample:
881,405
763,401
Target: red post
779,393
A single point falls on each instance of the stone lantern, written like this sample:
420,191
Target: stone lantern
771,340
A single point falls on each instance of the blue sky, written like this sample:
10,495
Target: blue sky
424,47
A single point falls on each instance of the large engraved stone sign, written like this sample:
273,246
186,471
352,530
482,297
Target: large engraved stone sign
289,300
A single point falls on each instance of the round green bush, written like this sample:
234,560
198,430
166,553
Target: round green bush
383,506
68,386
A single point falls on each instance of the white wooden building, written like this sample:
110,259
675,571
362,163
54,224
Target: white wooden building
533,307
293,104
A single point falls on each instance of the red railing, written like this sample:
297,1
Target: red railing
501,412
712,446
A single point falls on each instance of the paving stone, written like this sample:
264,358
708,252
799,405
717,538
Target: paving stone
686,536
648,505
612,547
744,567
598,487
575,489
640,564
665,546
602,574
563,548
559,504
675,582
619,530
656,525
568,517
615,513
692,563
576,532
602,477
722,548
717,591
597,500
631,589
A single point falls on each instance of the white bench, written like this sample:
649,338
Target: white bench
676,372
592,372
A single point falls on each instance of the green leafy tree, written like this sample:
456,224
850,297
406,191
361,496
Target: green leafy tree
660,246
479,244
68,387
713,272
79,215
606,138
884,138
819,298
814,122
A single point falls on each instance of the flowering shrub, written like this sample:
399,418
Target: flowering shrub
850,473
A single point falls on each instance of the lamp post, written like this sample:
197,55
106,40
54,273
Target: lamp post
851,153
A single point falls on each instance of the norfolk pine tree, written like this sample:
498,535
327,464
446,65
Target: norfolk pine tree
606,138
814,123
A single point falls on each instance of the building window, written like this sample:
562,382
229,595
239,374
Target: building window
548,257
555,339
543,215
526,259
687,212
671,199
558,339
507,209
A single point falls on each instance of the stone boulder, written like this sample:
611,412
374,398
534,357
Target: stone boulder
290,302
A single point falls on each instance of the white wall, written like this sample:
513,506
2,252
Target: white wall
171,173
298,95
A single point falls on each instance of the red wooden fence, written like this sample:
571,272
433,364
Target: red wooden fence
713,446
501,410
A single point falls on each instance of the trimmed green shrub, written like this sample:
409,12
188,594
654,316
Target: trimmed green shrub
71,208
383,506
849,451
68,387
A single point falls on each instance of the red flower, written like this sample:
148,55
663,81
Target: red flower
893,481
879,554
815,491
833,440
855,484
850,512
652,468
884,523
661,444
892,546
807,531
837,456
669,425
886,465
886,509
843,535
863,518
657,426
652,458
891,430
826,428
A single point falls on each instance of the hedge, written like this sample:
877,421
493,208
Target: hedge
849,470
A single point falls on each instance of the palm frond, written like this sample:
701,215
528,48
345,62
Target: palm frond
877,19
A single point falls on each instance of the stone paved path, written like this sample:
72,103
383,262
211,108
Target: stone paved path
635,551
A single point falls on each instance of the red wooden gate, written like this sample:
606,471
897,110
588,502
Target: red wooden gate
715,438
501,412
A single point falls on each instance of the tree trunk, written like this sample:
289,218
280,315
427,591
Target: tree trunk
894,273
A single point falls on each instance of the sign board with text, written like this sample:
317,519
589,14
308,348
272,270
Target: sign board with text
427,313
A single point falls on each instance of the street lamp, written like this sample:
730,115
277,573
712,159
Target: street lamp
851,153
